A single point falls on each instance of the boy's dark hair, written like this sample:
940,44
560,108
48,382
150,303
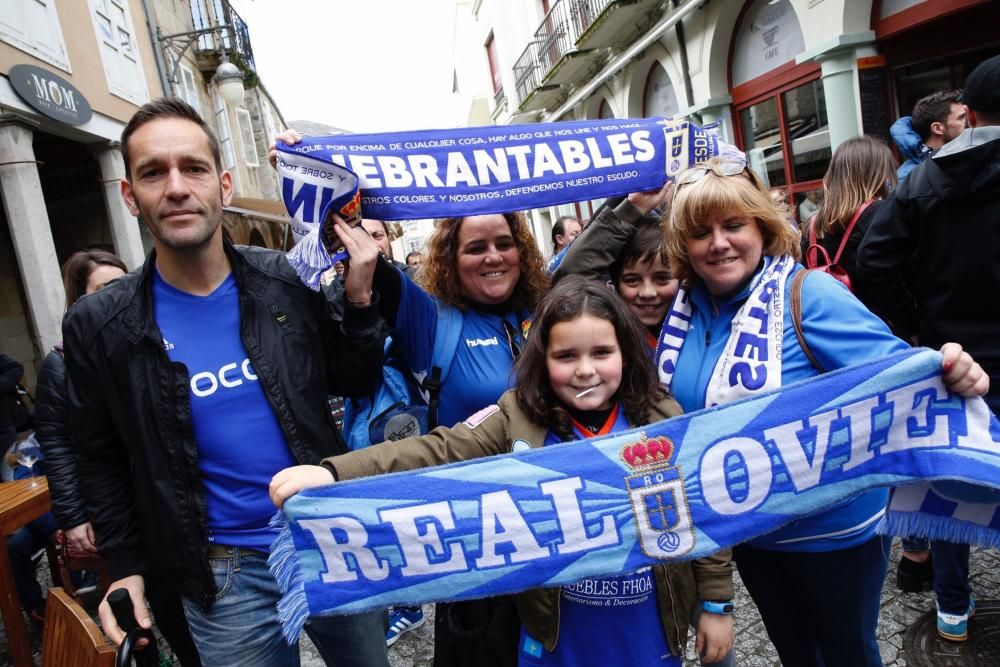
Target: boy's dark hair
932,109
166,107
645,245
571,298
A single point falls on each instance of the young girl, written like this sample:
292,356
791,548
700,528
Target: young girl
585,371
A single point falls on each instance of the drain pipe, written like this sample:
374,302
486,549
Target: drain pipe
682,46
623,59
161,67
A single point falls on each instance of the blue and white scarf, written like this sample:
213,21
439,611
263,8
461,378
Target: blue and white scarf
743,369
675,490
476,171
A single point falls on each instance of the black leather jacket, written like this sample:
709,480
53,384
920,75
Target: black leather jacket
131,415
53,433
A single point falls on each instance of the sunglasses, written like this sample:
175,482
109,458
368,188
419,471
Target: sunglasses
515,348
723,168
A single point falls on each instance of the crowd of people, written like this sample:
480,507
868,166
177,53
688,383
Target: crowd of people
146,411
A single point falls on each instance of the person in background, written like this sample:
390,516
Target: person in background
415,259
564,231
809,206
935,120
26,541
11,372
939,230
624,244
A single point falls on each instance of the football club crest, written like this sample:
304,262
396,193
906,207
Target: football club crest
656,491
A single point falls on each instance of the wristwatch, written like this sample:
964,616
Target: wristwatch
724,607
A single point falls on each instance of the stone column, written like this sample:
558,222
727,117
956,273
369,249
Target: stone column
124,226
28,219
716,109
838,64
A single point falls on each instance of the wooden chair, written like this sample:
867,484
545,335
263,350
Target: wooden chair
67,562
71,637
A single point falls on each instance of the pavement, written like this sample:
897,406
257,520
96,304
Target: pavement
906,633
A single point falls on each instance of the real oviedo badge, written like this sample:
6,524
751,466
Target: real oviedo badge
659,504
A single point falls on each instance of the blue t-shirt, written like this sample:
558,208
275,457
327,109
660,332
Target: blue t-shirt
607,621
840,332
240,442
481,369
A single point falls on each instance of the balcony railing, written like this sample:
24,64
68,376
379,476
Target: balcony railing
526,71
499,98
216,14
573,36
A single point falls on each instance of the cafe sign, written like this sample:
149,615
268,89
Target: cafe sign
50,94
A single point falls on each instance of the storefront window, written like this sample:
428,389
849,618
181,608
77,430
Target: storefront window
808,131
762,136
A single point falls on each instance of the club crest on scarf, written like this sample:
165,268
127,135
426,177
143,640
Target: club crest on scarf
656,490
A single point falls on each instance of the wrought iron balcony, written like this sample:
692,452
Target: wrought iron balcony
233,37
573,40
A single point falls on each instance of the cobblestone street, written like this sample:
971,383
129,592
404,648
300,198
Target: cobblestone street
900,611
753,649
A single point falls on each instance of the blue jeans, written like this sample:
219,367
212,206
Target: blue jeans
21,546
819,608
951,576
242,629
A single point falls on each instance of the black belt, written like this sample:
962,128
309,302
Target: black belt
225,551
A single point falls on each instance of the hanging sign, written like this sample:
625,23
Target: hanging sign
50,95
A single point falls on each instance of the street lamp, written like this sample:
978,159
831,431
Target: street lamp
229,79
228,76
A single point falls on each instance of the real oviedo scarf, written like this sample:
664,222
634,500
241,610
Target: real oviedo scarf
742,369
675,490
475,171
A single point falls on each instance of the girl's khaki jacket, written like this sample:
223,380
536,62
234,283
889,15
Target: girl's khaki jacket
679,586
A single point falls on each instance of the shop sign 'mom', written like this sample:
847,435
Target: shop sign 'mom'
50,94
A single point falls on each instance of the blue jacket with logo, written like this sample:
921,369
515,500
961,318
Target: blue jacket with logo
840,332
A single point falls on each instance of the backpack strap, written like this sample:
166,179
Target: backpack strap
446,337
813,252
848,230
796,307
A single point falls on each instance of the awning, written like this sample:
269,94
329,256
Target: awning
265,209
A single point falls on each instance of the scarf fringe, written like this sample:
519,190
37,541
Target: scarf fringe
944,528
293,609
309,259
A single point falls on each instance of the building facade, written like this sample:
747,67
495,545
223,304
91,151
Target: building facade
788,80
72,73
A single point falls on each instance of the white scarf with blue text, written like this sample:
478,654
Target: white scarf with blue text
751,361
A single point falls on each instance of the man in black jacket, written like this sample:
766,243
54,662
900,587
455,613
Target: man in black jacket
194,380
945,219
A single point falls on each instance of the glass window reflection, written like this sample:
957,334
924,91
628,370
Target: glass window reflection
808,131
763,140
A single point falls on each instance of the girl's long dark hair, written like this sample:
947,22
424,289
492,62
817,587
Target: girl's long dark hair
574,297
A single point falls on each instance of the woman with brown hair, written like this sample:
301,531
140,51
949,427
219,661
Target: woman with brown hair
861,176
86,272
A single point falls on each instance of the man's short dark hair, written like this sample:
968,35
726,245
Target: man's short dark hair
413,254
167,107
559,229
932,109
